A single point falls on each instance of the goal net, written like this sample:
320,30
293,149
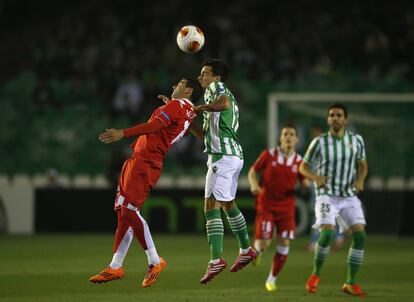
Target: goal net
385,120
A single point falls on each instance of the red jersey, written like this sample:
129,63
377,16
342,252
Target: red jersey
176,116
279,175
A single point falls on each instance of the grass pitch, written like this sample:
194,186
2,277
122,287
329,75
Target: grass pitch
57,268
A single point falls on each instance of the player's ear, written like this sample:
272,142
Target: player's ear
188,91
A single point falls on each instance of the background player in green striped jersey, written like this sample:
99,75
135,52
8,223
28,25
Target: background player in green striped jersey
341,171
225,161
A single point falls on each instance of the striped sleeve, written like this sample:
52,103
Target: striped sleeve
360,148
313,151
219,89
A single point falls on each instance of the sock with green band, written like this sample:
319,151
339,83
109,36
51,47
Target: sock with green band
238,227
215,231
355,256
322,250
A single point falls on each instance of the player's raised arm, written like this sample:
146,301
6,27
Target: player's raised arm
113,135
222,103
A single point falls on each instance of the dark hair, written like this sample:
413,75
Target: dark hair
218,67
197,89
339,106
291,126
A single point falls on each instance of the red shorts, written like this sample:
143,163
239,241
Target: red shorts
266,221
138,176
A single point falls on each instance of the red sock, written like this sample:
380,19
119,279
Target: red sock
137,225
278,263
120,231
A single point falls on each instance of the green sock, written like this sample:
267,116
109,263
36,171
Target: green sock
238,227
355,256
215,231
322,250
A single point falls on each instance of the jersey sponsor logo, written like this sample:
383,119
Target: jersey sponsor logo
165,115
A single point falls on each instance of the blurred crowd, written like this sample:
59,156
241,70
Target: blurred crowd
263,39
120,56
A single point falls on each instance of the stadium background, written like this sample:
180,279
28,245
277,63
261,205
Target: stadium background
67,66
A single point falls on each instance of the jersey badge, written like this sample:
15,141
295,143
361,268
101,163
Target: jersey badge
191,114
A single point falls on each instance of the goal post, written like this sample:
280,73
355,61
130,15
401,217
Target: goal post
385,120
274,99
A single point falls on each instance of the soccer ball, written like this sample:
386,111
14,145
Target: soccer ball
190,39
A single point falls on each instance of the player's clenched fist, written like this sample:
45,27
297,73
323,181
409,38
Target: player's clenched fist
111,135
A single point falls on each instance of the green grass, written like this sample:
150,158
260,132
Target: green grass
57,267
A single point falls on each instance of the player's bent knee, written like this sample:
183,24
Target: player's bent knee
227,206
284,242
211,204
325,237
359,238
327,227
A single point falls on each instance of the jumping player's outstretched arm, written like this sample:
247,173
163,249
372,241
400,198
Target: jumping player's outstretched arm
113,135
222,103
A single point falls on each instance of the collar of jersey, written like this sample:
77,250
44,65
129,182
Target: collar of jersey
186,100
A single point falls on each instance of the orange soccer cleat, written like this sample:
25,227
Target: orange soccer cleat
153,272
107,275
312,283
354,290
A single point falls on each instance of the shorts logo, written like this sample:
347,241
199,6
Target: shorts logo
215,168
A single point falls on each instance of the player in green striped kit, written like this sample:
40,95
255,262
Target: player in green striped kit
225,161
341,171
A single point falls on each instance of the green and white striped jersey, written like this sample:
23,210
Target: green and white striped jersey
220,128
336,158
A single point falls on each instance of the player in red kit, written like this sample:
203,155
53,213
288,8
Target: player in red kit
275,201
140,172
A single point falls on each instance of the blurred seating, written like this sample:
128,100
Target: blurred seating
81,71
65,181
395,183
100,181
21,180
165,181
82,181
4,180
410,184
40,180
375,183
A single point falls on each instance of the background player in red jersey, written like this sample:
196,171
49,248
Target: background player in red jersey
275,201
140,172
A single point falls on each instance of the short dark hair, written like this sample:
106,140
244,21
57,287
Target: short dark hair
197,89
339,106
291,126
218,67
